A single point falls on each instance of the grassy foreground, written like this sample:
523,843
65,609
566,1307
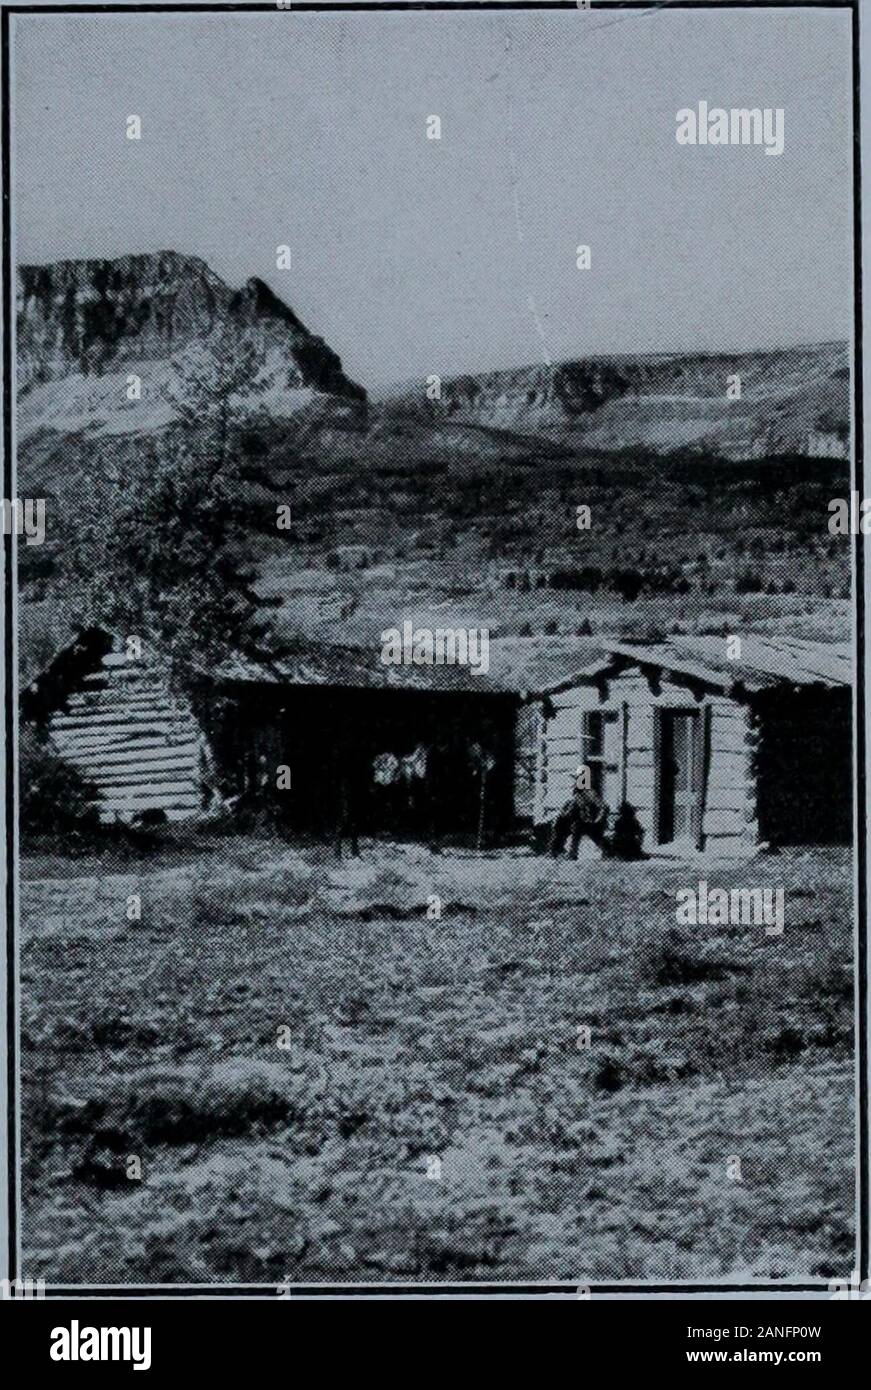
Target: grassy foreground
409,1039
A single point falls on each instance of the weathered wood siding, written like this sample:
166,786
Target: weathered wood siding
561,747
128,734
728,816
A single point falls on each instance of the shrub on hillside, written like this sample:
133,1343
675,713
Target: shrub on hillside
53,795
749,581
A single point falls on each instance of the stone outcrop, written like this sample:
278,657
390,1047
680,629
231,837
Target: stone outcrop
85,323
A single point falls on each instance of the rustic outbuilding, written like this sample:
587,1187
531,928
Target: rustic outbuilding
718,747
716,750
116,719
331,714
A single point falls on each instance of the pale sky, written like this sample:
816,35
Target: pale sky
412,256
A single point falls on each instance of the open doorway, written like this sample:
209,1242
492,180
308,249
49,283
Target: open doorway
680,775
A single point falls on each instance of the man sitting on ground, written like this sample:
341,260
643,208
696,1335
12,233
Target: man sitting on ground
585,813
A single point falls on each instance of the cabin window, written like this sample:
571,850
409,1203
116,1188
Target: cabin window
598,748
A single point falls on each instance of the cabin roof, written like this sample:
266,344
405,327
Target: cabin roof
46,686
527,666
353,669
766,661
518,666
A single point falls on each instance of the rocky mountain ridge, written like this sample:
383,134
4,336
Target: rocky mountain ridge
84,326
791,400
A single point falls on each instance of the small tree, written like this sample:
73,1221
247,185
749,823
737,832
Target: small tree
214,388
162,554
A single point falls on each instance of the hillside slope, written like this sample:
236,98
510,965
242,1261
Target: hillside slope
465,506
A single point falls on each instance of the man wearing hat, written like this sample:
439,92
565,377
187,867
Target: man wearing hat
585,813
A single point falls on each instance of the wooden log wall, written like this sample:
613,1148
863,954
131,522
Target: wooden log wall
133,739
561,748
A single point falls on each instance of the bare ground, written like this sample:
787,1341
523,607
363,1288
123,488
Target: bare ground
412,1039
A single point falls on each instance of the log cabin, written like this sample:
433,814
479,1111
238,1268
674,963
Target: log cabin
715,755
328,712
116,719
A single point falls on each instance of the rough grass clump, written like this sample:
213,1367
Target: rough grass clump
674,962
188,1105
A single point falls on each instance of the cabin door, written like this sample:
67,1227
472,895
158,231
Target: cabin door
680,775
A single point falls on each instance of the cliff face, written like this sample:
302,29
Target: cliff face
83,326
659,401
